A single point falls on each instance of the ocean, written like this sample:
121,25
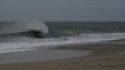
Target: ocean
16,46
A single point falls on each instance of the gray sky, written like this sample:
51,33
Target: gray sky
69,10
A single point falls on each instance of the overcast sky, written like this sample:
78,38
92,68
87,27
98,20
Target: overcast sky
68,10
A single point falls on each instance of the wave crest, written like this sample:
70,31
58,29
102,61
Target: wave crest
24,27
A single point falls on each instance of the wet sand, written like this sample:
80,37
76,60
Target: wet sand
108,56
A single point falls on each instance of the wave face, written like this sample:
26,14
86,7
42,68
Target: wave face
22,26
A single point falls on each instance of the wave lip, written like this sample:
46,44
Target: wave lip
23,26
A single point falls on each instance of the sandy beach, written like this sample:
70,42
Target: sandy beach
108,56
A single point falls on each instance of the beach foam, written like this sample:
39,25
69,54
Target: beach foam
25,44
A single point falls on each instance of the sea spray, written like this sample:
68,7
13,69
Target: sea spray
22,26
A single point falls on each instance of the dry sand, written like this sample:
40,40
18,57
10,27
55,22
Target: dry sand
108,56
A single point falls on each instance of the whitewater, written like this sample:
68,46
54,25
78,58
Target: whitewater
25,43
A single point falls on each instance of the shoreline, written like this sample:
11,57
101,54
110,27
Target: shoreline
108,56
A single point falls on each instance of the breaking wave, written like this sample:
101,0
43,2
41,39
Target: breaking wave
23,28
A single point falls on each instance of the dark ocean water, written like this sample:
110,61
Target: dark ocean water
59,29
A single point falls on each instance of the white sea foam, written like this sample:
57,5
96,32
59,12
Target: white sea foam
25,43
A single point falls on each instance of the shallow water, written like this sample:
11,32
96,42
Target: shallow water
40,55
